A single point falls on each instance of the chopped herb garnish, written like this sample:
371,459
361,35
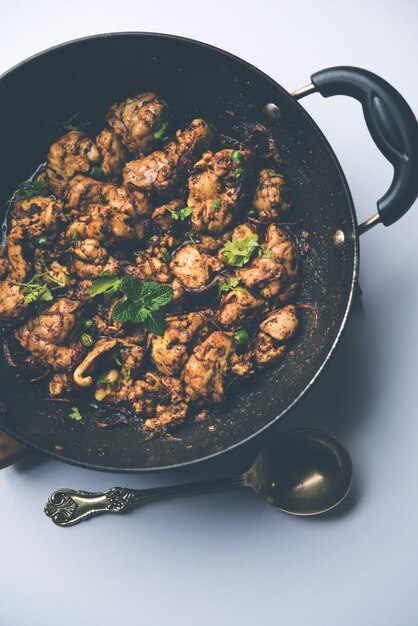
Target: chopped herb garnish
142,303
240,173
274,174
228,285
118,361
127,374
36,289
191,238
181,214
215,204
75,414
266,254
236,156
73,123
43,241
86,340
238,252
106,284
96,172
31,189
165,256
103,380
160,127
75,239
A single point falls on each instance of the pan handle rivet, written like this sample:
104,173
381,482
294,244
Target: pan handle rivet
339,239
272,111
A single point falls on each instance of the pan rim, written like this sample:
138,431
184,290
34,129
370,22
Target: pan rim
355,241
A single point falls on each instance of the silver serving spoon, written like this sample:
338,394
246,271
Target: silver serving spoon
302,472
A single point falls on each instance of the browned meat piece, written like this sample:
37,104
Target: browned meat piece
205,371
266,350
114,154
239,308
75,153
281,324
160,172
86,270
269,197
12,302
276,269
61,383
90,251
170,352
134,121
163,217
159,400
48,336
152,264
277,328
37,217
242,365
194,269
103,223
17,265
216,189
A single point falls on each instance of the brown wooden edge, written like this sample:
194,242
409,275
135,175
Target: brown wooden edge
12,451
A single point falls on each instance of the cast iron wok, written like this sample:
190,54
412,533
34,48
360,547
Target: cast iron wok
199,80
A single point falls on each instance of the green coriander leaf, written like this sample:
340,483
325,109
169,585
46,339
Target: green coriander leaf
96,172
192,239
75,239
108,284
228,285
103,380
31,189
127,374
240,173
118,361
267,254
156,323
75,414
237,156
274,174
165,256
238,252
215,204
181,214
161,127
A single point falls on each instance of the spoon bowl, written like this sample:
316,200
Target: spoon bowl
302,472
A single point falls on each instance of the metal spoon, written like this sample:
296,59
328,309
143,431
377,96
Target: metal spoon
302,472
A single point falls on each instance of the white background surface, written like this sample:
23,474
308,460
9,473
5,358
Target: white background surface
228,559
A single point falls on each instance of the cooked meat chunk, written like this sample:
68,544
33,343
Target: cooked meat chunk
12,302
277,328
48,336
266,350
88,270
161,171
17,265
216,189
239,308
194,269
163,215
103,223
170,352
114,154
242,365
61,383
75,153
135,119
281,324
269,197
271,273
205,371
37,217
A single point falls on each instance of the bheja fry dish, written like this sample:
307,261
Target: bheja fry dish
146,270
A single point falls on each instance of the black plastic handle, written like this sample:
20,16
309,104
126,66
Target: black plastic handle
392,125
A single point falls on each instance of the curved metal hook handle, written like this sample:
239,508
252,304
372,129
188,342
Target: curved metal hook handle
392,126
67,507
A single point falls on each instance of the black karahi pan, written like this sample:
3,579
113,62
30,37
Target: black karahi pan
88,75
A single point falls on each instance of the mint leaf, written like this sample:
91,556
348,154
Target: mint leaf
156,323
131,287
31,189
181,214
120,312
155,294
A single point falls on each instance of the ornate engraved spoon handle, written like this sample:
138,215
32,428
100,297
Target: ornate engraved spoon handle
67,507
